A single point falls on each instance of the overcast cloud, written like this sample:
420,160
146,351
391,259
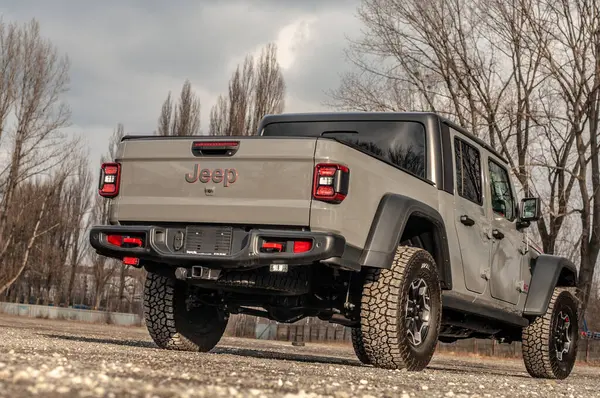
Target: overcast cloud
126,56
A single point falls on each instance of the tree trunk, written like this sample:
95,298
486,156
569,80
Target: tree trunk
73,270
97,297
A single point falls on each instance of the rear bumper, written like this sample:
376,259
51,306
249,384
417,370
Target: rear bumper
158,247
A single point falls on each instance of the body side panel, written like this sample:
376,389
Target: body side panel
370,180
446,210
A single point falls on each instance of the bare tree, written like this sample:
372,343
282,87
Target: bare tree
524,74
219,117
32,81
104,268
241,87
77,203
256,88
269,87
572,61
166,113
27,214
182,119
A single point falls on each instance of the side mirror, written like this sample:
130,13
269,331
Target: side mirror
530,210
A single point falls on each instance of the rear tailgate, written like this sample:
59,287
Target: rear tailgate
265,181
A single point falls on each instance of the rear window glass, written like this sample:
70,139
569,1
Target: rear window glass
401,144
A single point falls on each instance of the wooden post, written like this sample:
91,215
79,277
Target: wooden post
297,341
587,350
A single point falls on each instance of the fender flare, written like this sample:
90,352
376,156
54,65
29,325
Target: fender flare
388,225
548,272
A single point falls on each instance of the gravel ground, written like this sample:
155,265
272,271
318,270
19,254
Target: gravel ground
66,359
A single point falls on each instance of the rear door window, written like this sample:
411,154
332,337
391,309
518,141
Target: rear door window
468,171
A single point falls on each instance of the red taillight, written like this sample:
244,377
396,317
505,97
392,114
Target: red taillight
131,261
272,247
213,144
127,241
110,175
331,182
325,191
327,171
301,246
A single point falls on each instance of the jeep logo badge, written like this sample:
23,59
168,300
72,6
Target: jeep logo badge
218,176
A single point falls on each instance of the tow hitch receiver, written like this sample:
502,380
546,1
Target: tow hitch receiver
197,272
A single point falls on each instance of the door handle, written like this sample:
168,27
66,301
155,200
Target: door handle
466,220
497,234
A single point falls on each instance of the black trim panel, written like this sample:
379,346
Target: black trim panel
388,226
446,161
547,270
325,246
486,311
349,260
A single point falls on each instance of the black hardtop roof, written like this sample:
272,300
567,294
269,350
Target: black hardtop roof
372,116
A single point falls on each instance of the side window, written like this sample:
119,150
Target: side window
468,171
503,202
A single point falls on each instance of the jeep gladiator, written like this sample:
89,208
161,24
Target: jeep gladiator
402,226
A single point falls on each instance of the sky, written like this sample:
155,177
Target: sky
125,57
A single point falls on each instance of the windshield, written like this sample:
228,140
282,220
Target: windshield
401,144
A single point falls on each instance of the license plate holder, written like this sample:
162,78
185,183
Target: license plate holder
208,240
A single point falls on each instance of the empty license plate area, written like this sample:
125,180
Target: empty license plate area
208,241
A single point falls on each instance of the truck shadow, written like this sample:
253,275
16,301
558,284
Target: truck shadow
439,365
285,356
481,369
120,342
219,350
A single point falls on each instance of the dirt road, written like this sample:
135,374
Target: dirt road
66,359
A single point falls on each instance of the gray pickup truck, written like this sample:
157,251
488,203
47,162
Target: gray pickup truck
402,226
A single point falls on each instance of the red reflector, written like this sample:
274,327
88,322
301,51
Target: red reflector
111,170
301,246
325,190
116,240
273,245
131,261
133,241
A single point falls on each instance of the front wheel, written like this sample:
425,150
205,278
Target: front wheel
550,341
174,325
401,311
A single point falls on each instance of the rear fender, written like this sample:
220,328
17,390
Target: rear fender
387,229
548,272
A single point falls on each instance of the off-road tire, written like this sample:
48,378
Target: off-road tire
169,322
293,282
383,311
359,345
539,352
